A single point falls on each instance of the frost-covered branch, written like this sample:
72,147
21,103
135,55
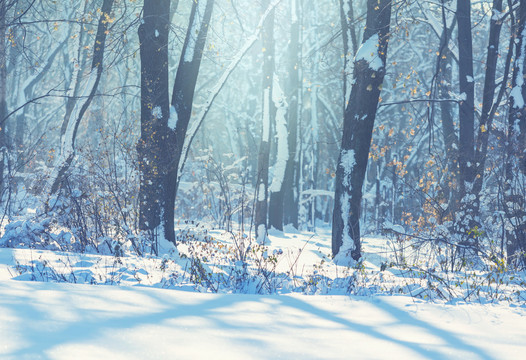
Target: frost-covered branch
192,131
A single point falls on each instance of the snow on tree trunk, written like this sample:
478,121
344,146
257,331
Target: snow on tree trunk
181,105
260,218
360,114
276,187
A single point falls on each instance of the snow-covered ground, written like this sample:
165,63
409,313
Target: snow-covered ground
138,320
68,321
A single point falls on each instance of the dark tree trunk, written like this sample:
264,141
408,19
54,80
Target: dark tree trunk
467,90
449,136
515,197
444,80
360,114
164,127
155,111
290,201
260,218
3,91
275,215
350,42
488,104
182,99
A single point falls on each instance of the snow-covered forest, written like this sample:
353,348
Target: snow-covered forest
241,156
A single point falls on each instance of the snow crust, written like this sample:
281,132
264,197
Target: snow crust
63,321
261,192
368,51
174,118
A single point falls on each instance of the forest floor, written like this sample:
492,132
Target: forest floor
291,302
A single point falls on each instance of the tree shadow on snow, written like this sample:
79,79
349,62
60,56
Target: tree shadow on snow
233,318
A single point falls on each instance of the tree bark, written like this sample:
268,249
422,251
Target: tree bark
275,216
181,104
260,218
467,91
290,199
350,42
488,104
155,110
360,114
3,91
515,197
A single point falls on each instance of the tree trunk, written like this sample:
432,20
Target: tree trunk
444,69
489,103
360,114
260,218
181,105
350,42
155,110
3,91
290,200
515,197
467,91
282,155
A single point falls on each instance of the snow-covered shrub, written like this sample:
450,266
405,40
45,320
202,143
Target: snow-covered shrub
215,191
36,235
97,200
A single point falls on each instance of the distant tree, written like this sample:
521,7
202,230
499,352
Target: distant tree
268,113
466,114
3,88
491,100
360,114
293,93
76,108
